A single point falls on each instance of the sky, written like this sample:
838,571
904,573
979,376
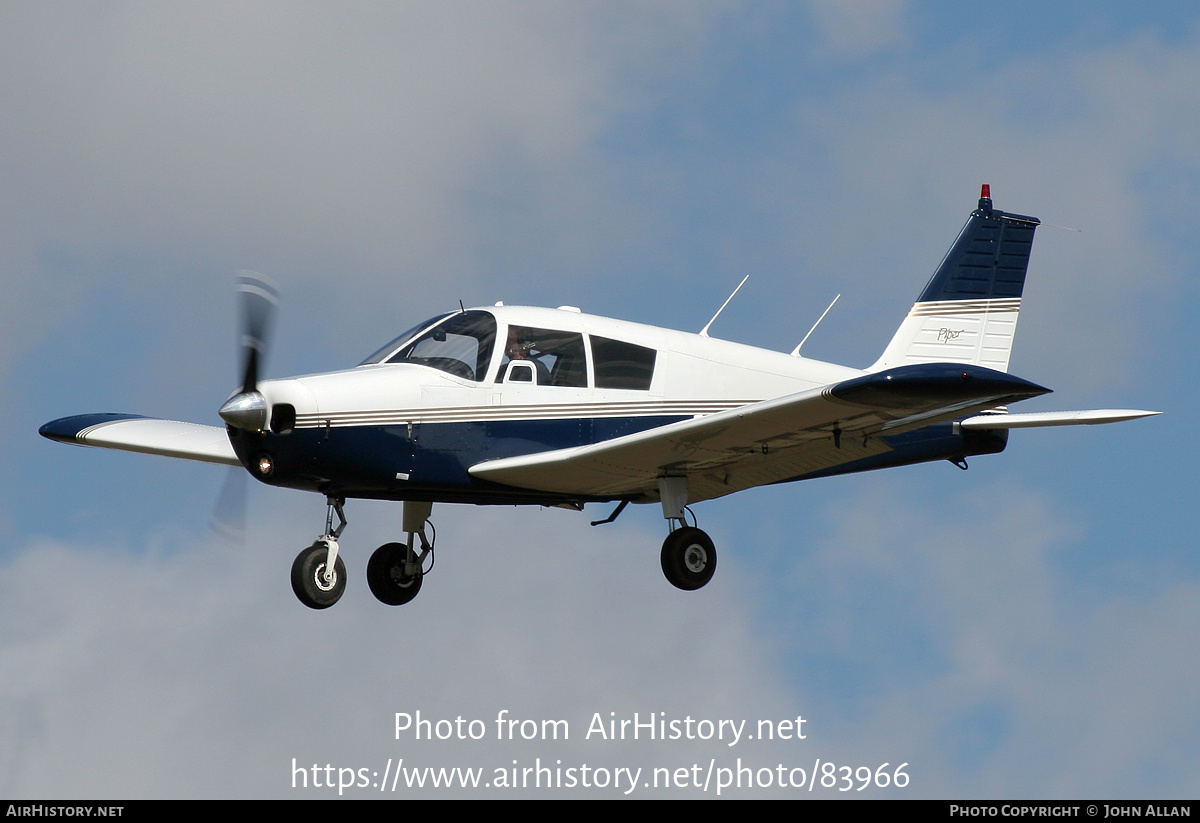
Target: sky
1025,629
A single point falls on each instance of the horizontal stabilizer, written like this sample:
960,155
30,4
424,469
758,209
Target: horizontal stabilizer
1064,418
146,435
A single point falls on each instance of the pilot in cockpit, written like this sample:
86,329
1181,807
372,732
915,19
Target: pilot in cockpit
521,347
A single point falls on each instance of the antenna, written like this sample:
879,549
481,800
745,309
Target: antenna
704,331
796,351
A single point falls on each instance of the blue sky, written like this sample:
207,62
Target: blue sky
1024,629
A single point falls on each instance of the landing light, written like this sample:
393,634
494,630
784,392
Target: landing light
264,465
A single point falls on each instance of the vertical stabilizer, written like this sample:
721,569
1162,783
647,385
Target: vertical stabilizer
968,311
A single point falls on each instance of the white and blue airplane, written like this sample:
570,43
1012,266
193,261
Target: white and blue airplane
554,407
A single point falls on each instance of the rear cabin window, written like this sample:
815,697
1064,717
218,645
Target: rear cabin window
622,365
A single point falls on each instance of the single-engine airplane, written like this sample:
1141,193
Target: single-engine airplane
520,405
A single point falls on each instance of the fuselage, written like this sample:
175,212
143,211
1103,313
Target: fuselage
502,381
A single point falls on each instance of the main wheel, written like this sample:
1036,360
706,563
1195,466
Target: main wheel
386,577
688,558
308,578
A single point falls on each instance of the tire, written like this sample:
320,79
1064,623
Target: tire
308,573
386,578
689,558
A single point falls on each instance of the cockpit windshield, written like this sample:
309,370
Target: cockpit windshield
460,344
395,343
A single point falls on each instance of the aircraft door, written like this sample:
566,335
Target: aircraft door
542,386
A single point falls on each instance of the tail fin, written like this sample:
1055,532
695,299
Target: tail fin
968,311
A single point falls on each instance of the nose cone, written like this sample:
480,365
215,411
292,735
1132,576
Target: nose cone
246,410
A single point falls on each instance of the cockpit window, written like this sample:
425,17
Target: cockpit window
386,351
460,345
556,357
622,365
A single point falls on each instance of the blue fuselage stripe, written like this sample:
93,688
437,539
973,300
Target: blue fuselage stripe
432,460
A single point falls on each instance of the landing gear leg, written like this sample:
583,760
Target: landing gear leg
688,557
395,570
318,574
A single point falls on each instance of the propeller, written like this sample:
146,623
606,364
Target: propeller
258,297
228,520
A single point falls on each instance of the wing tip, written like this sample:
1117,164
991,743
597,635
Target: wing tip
68,429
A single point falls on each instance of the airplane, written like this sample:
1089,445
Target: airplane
554,407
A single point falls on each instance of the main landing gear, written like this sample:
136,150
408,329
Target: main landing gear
394,572
688,557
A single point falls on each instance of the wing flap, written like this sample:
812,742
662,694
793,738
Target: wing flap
145,435
766,442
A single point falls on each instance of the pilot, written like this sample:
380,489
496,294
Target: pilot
520,347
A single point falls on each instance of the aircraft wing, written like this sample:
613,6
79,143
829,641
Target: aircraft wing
769,441
147,435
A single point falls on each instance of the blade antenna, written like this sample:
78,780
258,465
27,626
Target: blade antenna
704,331
796,351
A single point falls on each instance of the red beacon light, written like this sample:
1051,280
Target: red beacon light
985,199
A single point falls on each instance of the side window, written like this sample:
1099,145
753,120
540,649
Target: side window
622,365
520,372
556,357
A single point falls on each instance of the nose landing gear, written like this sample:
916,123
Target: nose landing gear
318,574
312,581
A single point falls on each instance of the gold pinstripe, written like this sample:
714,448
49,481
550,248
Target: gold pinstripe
563,411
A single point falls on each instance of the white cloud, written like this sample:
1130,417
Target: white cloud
361,144
887,170
855,29
194,672
990,663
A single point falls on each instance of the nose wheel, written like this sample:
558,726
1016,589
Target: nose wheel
688,558
318,573
317,586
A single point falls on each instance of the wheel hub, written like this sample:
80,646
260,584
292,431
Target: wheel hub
401,579
322,583
695,558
